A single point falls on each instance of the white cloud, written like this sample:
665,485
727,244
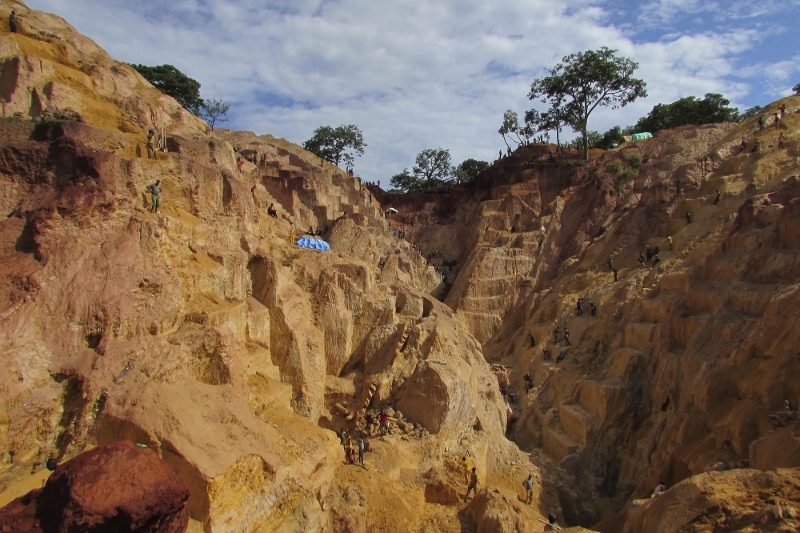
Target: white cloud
411,75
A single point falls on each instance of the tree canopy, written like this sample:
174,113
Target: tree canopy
587,80
712,109
469,169
337,144
511,129
174,83
796,89
432,169
213,111
753,111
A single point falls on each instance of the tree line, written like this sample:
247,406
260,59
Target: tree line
585,81
573,89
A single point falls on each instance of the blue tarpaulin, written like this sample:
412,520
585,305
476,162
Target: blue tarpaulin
314,244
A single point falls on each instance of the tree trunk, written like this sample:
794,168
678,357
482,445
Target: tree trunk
585,145
558,141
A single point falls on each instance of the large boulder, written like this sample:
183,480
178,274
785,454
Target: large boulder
116,488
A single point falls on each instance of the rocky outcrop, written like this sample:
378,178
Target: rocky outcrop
201,331
204,333
118,487
678,371
725,502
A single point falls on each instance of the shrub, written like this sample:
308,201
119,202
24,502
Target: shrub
634,160
628,174
615,168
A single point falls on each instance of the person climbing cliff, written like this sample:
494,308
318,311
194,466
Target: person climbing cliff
533,340
473,483
659,489
528,484
689,218
361,451
271,211
383,418
556,334
155,196
579,306
551,523
151,150
12,23
593,308
466,464
566,337
641,259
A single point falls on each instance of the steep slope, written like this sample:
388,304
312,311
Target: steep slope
685,359
203,333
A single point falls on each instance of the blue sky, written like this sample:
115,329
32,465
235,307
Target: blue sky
438,73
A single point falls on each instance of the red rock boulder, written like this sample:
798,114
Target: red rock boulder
111,489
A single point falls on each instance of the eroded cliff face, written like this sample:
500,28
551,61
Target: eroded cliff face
203,333
689,363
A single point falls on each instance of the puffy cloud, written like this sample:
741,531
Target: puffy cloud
411,75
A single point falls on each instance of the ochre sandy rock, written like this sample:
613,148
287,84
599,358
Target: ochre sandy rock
117,487
203,332
739,500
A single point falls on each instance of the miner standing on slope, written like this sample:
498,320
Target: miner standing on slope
12,23
473,483
528,484
155,196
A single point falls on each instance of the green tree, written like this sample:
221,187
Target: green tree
610,138
796,89
511,129
594,138
213,111
174,83
587,80
751,112
552,120
432,169
336,144
469,169
712,109
406,181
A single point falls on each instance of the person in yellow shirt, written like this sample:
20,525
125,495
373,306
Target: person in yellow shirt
466,464
292,236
